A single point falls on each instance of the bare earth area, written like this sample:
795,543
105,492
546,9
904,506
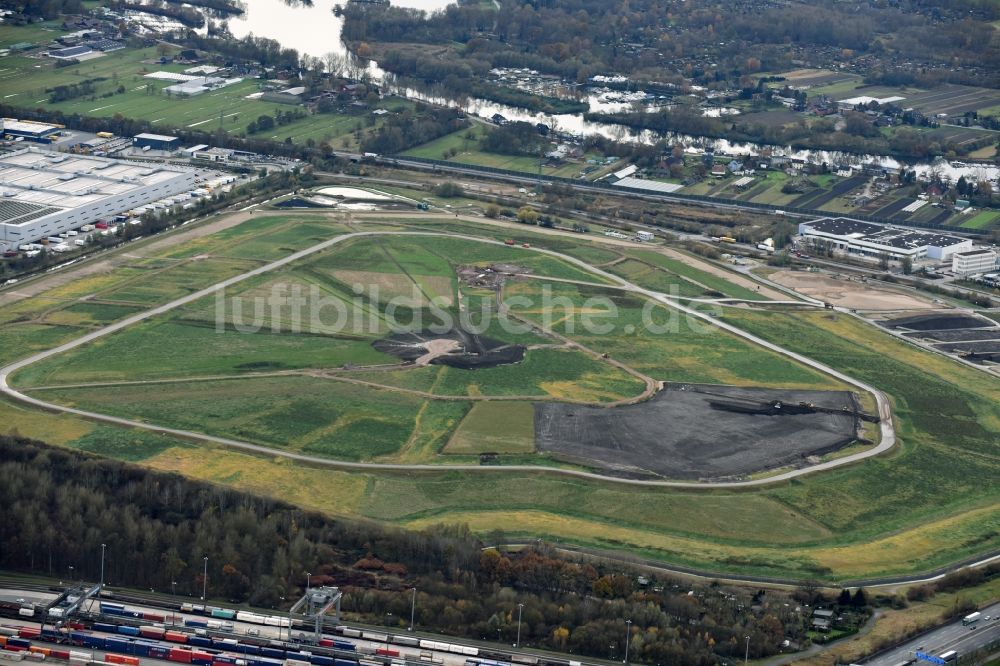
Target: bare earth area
849,293
735,278
437,348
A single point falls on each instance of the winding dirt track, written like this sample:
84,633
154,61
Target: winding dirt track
888,434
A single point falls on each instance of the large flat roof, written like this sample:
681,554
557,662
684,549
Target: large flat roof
155,137
878,234
35,182
13,125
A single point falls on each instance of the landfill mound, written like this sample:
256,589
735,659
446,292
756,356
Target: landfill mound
690,431
468,350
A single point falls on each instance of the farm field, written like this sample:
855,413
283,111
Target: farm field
929,502
26,82
462,147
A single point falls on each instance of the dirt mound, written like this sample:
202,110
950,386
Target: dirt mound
456,348
699,431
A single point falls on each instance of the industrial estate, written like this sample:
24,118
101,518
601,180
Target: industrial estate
473,343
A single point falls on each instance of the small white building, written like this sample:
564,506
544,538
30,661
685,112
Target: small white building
973,262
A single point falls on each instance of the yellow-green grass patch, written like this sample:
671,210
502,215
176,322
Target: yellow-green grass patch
495,427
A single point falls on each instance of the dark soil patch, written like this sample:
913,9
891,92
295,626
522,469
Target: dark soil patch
958,335
937,322
983,347
690,431
474,351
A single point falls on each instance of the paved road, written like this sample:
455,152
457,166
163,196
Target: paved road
952,636
888,435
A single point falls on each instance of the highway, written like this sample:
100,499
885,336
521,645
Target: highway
952,636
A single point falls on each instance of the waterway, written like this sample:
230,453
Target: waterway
315,30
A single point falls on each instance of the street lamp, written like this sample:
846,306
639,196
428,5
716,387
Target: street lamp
173,587
71,574
520,607
413,606
308,580
746,657
628,633
103,547
204,580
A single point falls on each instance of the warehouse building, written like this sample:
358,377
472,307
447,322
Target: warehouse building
27,130
973,262
873,240
156,141
44,193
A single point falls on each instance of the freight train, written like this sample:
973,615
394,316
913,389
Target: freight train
127,650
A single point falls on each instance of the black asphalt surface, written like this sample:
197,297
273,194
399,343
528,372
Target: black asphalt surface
690,431
937,322
959,335
952,636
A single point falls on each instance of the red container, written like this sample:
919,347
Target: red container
60,654
29,632
175,637
386,652
325,642
179,655
153,617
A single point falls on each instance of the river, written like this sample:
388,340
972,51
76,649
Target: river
315,31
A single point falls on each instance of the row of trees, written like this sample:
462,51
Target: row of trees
60,506
410,128
578,38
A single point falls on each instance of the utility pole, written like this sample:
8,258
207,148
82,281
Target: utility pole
628,634
103,548
413,607
746,656
204,581
517,643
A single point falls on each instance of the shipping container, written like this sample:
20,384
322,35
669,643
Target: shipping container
29,632
179,655
127,630
175,637
106,627
200,641
151,632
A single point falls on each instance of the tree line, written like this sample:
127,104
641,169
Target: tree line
61,505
